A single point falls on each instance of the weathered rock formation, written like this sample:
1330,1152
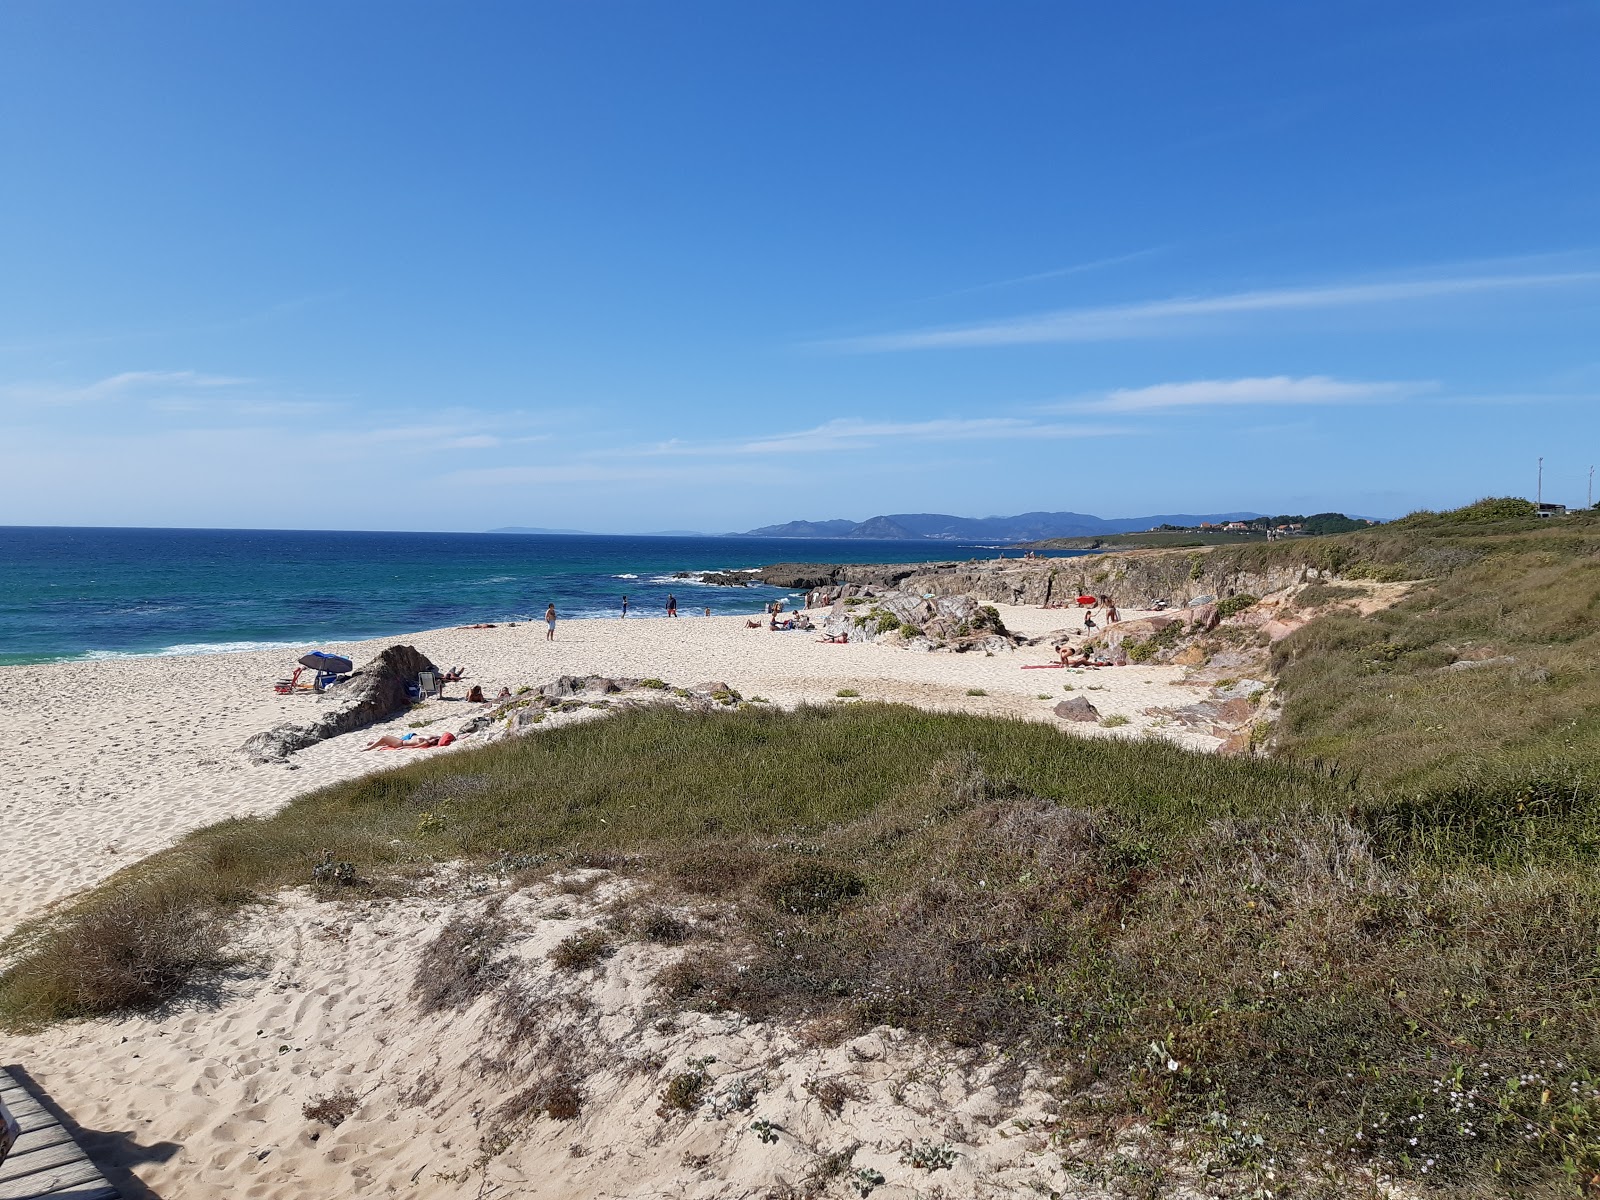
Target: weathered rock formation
959,623
807,576
374,691
570,693
1134,579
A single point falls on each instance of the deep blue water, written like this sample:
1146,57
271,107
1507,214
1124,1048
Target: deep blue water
75,593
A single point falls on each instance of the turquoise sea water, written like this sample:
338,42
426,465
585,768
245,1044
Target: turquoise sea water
80,593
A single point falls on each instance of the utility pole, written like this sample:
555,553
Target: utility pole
1590,502
1538,496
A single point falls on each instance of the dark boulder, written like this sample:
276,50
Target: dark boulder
375,691
1077,709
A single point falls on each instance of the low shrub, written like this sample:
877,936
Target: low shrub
685,1090
810,887
664,928
581,951
1235,604
460,963
134,948
331,1109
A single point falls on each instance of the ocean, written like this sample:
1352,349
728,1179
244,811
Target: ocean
103,593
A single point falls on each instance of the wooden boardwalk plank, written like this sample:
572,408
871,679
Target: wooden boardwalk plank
45,1163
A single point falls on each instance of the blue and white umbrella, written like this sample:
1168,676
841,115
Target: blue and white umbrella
332,664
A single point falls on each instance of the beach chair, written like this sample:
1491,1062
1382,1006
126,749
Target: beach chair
286,687
429,684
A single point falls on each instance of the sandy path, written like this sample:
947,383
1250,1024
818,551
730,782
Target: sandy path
106,761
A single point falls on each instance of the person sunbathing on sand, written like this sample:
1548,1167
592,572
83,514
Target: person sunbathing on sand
393,741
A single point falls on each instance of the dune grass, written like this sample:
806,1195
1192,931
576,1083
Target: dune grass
1381,948
1396,694
1180,935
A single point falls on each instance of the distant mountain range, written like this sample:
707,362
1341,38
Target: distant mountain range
1025,527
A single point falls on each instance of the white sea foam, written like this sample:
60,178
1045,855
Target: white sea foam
625,576
188,650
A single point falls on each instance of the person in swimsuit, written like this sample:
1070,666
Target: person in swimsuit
672,606
550,623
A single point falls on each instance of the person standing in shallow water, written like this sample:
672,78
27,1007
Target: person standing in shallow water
624,606
550,623
672,606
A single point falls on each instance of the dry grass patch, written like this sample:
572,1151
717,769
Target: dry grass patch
461,963
333,1108
583,950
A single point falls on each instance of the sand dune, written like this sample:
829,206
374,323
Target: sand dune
210,1102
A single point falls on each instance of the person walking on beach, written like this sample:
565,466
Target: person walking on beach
672,605
550,623
624,606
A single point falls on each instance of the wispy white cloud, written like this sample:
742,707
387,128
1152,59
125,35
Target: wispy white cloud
1160,317
1115,260
1259,390
594,472
142,385
855,433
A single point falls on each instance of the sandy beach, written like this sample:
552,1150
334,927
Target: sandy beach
110,760
106,761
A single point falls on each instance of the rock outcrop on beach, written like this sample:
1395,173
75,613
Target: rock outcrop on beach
572,693
1135,579
806,576
375,690
958,623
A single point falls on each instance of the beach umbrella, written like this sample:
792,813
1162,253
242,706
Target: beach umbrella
321,660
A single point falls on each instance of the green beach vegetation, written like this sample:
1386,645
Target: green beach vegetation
1378,945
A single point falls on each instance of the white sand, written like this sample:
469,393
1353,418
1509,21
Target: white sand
105,761
209,1101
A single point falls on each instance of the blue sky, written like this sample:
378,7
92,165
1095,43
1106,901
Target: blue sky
633,266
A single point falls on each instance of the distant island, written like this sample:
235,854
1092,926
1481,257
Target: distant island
536,529
586,533
1025,527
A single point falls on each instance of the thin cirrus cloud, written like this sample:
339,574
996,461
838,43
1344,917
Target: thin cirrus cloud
1286,390
124,385
855,433
1158,318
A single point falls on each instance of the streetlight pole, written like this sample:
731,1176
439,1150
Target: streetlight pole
1538,495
